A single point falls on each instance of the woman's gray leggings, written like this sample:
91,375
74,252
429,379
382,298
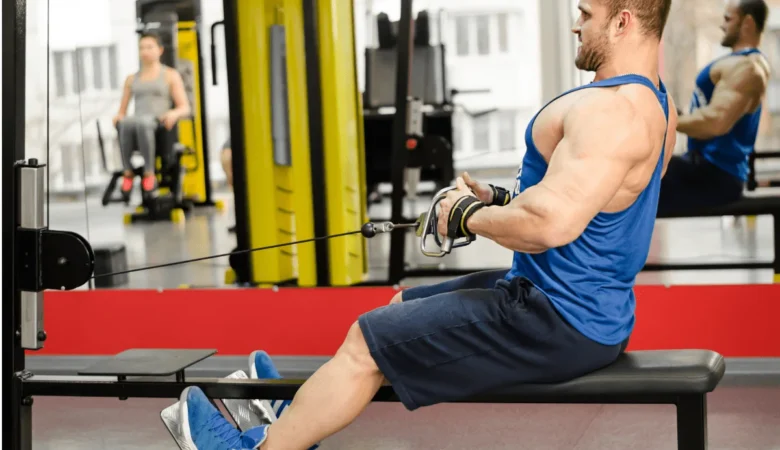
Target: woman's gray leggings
137,133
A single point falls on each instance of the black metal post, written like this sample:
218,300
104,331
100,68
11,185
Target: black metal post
237,142
776,243
400,153
751,182
14,68
208,201
692,422
316,139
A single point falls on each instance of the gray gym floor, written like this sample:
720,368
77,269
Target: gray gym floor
742,416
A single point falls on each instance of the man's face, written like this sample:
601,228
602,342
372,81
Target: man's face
732,23
149,50
592,28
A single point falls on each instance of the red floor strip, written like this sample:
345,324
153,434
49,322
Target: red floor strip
737,321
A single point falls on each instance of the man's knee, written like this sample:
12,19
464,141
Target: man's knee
355,349
397,298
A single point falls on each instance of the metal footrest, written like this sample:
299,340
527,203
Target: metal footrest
148,363
246,414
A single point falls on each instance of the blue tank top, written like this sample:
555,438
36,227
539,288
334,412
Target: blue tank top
590,280
729,152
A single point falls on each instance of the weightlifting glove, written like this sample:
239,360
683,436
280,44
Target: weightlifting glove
463,208
501,196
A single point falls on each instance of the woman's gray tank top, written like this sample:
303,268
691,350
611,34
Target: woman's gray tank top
152,97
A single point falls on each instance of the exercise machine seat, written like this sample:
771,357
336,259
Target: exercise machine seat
746,206
651,372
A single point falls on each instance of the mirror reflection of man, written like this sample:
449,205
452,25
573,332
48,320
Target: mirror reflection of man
725,112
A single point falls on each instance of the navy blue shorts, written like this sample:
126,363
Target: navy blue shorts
449,341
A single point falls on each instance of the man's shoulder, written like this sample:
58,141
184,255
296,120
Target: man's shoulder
752,68
631,106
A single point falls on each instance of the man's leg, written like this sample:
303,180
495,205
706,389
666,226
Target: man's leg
442,348
330,399
485,279
690,185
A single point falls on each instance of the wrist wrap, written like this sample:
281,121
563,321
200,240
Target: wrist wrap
501,196
464,208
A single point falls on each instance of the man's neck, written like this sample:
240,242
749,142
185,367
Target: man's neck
642,60
745,44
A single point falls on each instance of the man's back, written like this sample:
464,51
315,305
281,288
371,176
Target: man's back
590,279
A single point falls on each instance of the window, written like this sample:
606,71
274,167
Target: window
503,33
75,66
483,34
462,35
97,67
481,136
507,124
113,67
59,73
84,63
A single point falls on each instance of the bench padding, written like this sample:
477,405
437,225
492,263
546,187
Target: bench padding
746,206
656,372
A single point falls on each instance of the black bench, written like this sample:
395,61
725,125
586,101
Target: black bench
747,206
676,377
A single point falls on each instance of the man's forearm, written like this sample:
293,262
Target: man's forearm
518,226
698,125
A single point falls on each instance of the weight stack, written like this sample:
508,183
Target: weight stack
109,259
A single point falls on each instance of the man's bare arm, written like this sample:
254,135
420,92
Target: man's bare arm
738,90
603,139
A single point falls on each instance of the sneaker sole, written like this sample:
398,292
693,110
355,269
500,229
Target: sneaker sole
175,420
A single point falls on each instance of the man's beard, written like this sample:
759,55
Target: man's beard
729,40
591,57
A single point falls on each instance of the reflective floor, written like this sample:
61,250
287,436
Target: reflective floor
204,233
739,418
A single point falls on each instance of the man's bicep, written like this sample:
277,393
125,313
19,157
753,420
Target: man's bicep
734,94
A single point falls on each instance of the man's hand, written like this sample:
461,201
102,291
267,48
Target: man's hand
482,190
169,119
117,118
461,190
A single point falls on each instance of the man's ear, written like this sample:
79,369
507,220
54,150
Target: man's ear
624,20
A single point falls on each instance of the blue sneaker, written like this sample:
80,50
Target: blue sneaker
262,367
203,427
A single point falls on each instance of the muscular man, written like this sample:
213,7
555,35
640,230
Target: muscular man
153,89
580,221
723,121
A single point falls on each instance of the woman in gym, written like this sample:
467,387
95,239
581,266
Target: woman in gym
154,88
